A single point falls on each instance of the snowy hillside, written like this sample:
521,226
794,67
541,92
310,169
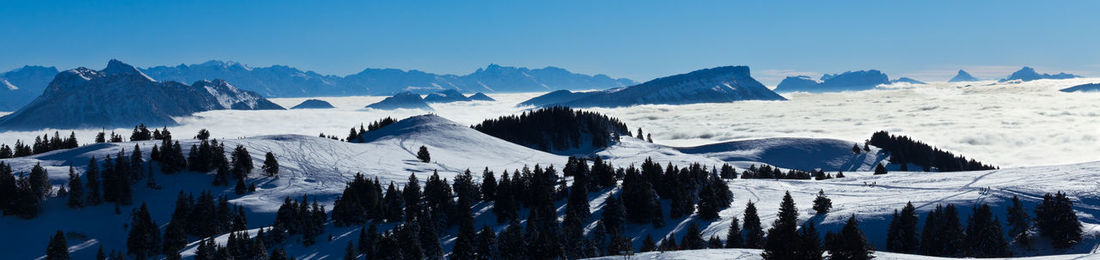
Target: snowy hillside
120,95
320,167
747,254
794,153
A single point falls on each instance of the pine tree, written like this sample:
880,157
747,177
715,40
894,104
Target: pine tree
577,205
40,181
810,241
412,196
271,166
488,185
648,245
241,161
693,238
144,237
349,252
907,226
58,249
754,233
486,244
984,236
880,169
76,189
1056,220
423,155
1018,222
822,204
783,234
99,255
849,244
931,242
733,235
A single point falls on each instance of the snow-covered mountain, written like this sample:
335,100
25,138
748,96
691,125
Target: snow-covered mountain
121,96
794,153
284,81
320,167
847,81
1029,74
446,96
962,76
18,87
313,104
405,99
714,85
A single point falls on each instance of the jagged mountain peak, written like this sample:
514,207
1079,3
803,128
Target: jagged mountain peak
118,68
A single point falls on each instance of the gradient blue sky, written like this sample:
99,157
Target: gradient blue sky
927,40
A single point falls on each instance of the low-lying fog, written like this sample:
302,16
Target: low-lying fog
1004,124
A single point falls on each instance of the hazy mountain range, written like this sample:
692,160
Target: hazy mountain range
284,81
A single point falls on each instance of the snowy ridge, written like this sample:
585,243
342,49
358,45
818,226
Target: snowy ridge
794,153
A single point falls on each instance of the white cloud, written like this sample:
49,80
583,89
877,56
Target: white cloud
1004,124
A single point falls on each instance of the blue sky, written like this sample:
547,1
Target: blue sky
927,40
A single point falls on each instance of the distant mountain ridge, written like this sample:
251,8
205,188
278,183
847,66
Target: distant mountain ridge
284,81
1029,74
120,95
847,81
19,86
714,85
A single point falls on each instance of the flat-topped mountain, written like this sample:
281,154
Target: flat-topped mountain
847,81
1029,74
714,85
121,96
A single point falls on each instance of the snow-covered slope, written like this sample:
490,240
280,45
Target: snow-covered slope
120,96
714,85
740,253
794,153
320,167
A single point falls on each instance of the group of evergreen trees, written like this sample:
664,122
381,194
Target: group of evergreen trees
21,195
768,172
944,235
555,128
41,145
200,217
904,150
299,217
357,136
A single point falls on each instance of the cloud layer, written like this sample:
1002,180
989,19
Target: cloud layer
1007,125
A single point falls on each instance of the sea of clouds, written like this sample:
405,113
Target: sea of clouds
1006,124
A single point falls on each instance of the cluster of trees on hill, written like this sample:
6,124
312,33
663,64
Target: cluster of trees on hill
983,236
555,128
768,172
21,195
197,218
357,136
904,150
41,145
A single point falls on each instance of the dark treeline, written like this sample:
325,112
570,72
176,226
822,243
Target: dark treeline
357,136
42,144
904,150
555,128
